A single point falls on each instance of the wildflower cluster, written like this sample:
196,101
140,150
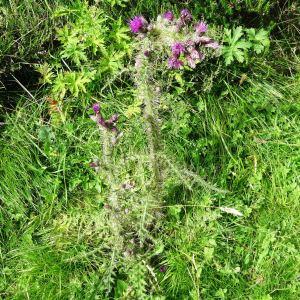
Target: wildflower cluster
185,41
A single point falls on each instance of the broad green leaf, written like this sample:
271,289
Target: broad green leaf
237,34
242,44
239,55
260,40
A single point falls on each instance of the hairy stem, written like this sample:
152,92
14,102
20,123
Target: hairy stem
107,169
147,93
107,164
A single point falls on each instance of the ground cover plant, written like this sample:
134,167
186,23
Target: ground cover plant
149,150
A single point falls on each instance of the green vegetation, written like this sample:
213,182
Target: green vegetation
191,193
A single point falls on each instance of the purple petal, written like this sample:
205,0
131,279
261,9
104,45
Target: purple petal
96,108
186,16
137,24
193,57
174,63
168,15
201,27
177,49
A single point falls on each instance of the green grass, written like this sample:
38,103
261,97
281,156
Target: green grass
26,27
60,238
252,145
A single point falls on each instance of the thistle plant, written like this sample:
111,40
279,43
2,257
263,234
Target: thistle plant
184,41
162,46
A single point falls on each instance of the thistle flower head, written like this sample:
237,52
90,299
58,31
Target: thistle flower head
177,49
168,15
186,16
184,41
137,24
96,108
174,63
201,27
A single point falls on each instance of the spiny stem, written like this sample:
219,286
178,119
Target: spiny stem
146,92
153,138
108,172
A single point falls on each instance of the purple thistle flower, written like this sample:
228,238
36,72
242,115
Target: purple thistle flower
177,49
201,27
186,16
213,45
96,108
147,53
98,118
137,24
168,15
174,63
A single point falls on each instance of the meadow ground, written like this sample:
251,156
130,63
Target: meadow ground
81,222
